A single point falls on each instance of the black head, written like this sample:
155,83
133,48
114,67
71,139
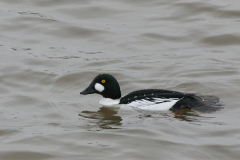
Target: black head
105,85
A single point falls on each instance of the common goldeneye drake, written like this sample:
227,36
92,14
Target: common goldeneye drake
149,99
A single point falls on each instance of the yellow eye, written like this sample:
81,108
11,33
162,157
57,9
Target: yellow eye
103,81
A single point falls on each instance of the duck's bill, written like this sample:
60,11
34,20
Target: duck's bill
88,90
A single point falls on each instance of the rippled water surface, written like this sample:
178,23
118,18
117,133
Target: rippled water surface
50,50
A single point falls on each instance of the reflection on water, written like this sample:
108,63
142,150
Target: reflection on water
188,115
106,117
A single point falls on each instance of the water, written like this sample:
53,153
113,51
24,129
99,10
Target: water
51,50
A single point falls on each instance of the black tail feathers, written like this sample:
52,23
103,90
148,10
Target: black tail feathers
199,103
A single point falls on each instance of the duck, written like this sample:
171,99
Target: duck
149,99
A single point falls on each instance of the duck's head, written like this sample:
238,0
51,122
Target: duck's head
105,85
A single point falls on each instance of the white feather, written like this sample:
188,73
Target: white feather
157,104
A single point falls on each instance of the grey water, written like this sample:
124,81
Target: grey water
51,50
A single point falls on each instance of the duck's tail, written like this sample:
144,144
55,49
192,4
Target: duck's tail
199,103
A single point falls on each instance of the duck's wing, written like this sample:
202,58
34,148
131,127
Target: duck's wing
151,95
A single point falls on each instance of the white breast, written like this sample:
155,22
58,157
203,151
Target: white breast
157,104
109,102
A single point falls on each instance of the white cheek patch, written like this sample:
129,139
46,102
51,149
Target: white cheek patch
99,87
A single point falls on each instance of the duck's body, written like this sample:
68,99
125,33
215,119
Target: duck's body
148,99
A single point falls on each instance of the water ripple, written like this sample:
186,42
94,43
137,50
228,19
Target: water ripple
222,40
